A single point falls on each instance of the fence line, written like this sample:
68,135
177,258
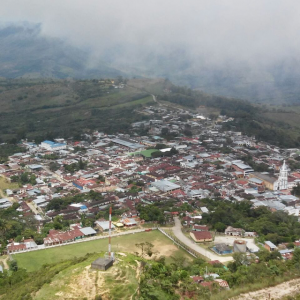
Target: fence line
85,240
179,244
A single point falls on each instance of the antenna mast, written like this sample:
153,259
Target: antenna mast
109,232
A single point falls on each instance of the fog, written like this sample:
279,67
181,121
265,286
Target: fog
217,30
135,32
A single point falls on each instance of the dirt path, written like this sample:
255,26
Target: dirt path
4,260
288,288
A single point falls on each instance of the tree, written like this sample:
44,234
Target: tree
220,227
146,248
296,190
13,266
296,256
53,166
81,164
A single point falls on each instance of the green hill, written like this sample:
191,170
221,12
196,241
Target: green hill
39,108
47,108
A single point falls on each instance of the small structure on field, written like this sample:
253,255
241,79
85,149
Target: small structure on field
240,246
222,249
103,263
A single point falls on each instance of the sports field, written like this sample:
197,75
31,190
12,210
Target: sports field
162,246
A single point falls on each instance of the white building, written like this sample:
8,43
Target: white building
283,177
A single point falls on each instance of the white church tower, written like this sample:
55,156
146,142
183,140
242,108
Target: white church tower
283,177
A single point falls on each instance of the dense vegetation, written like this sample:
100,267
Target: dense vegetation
9,149
161,281
62,203
276,227
16,227
44,109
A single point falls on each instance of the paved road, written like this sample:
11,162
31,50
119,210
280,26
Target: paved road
210,255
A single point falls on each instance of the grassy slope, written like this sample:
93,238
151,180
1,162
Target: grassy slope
35,259
5,184
119,282
40,106
291,118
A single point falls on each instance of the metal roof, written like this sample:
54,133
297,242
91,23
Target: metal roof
165,185
104,225
87,230
270,244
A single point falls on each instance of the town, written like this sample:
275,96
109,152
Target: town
158,175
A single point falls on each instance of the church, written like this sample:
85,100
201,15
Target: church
283,177
271,182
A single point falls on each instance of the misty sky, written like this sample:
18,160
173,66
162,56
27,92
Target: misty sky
217,31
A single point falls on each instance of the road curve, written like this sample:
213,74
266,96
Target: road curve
180,236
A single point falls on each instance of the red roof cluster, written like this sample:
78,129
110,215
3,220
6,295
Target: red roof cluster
56,236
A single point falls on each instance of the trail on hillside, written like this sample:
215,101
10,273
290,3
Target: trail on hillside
288,288
4,261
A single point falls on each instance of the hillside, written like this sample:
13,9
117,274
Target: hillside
25,52
47,108
64,107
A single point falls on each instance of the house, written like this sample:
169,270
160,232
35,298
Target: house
128,222
88,231
222,249
222,283
234,231
56,237
197,279
22,246
200,228
286,253
270,246
239,166
15,247
104,225
201,236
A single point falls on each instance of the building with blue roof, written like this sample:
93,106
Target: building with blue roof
53,146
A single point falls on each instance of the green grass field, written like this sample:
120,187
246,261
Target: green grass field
5,184
146,153
35,259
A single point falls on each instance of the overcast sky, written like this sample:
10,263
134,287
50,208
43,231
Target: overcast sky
250,30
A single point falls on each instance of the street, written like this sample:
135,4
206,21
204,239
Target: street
210,255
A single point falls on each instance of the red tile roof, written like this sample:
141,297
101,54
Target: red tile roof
201,235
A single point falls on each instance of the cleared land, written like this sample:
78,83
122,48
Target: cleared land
162,246
80,281
5,184
289,288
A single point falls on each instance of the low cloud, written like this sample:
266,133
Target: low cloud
211,32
